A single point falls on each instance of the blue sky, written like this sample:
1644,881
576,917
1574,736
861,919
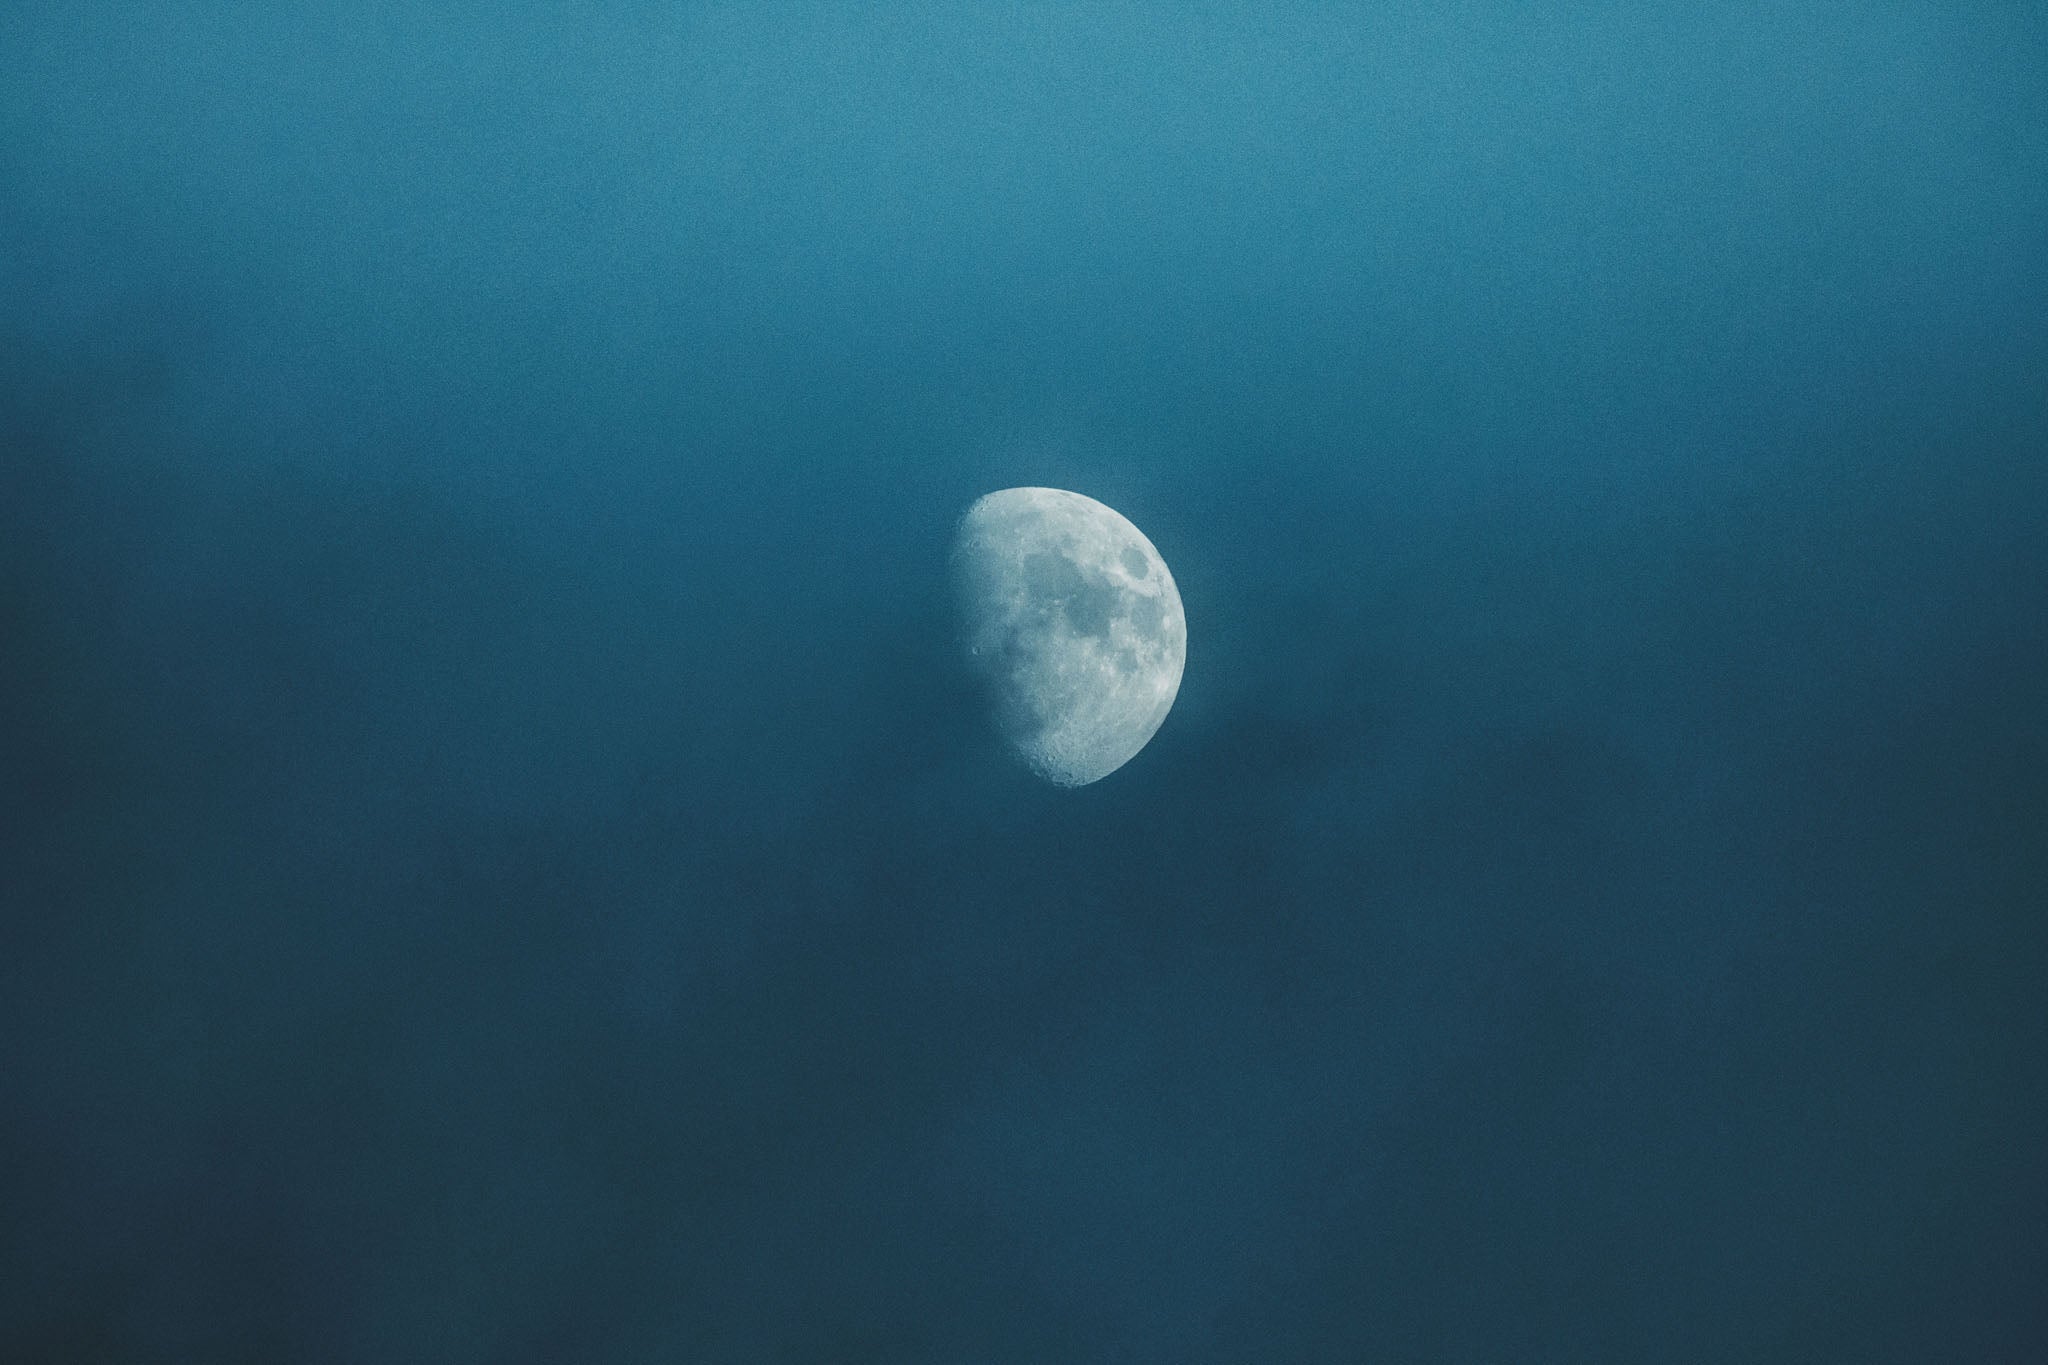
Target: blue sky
497,862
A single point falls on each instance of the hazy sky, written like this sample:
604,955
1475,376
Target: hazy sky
497,862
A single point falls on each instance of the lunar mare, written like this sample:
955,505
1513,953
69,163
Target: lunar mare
1073,625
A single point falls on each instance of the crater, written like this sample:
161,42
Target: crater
1135,562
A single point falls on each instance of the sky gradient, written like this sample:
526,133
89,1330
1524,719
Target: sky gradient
498,862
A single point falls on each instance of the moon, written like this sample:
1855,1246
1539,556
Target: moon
1072,624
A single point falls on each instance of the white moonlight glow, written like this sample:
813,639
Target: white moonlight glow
1074,626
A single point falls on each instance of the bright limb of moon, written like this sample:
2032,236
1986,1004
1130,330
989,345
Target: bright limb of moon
1069,618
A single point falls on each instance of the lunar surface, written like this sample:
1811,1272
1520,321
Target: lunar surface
1072,623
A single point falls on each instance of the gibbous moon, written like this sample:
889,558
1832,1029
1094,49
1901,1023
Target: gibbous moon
1072,623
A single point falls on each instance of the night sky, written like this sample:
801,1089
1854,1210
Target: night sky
499,862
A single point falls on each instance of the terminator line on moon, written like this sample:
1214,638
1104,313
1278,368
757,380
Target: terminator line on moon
1073,625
